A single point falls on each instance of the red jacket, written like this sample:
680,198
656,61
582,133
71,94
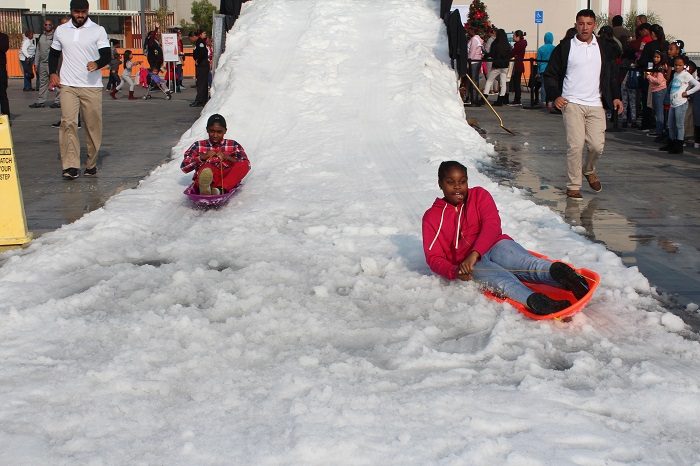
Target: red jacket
450,232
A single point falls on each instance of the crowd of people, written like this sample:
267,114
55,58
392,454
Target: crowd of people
645,70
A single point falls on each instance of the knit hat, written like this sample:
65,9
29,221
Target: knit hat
215,119
79,5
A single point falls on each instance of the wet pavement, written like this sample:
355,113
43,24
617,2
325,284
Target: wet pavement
648,212
137,137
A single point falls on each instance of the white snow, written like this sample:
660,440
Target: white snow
300,324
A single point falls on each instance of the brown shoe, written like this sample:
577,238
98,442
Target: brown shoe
594,182
574,195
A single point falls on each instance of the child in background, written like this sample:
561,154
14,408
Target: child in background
126,76
219,164
682,86
695,106
462,238
657,87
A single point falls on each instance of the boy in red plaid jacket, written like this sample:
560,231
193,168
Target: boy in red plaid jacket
219,164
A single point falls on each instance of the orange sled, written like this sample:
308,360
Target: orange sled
553,292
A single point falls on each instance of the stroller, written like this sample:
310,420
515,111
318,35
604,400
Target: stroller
155,82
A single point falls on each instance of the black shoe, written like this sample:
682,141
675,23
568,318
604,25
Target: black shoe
196,104
56,125
677,147
71,173
569,279
36,105
55,105
542,305
90,171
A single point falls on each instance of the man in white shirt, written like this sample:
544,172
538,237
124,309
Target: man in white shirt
582,80
84,47
26,56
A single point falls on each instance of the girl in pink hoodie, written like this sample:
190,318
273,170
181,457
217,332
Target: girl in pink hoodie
462,238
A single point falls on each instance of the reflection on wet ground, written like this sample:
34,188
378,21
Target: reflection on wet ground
648,212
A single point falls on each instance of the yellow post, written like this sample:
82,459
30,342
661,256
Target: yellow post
13,223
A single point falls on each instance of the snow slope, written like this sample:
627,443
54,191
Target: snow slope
300,324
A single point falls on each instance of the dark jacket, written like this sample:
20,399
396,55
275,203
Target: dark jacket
454,29
556,71
200,53
500,54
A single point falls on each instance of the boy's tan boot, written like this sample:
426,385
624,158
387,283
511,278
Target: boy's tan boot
206,176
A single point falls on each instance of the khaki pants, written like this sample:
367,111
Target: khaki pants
585,126
87,101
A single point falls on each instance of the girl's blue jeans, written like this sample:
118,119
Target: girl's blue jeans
507,263
657,99
676,122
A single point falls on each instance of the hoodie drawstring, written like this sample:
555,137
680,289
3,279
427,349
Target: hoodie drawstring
439,227
459,224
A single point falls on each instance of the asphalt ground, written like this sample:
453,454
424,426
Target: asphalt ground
648,211
137,137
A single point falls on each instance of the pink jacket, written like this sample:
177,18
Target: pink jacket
657,81
450,232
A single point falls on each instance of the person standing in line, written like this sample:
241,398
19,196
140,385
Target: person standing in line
499,52
181,60
43,46
682,86
543,54
518,65
475,53
84,48
26,56
201,58
582,83
4,101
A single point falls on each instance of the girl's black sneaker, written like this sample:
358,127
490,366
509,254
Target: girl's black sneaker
569,279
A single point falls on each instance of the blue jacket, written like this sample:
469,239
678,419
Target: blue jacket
544,52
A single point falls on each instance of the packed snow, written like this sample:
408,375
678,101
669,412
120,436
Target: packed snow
299,324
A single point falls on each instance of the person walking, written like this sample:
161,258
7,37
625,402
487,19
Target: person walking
43,46
4,101
26,57
582,82
84,48
126,76
201,58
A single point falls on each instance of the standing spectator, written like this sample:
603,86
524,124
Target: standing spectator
26,56
152,48
491,37
201,59
81,83
582,83
518,65
543,54
500,53
657,87
621,32
114,63
645,62
181,60
43,46
126,76
4,101
680,91
475,53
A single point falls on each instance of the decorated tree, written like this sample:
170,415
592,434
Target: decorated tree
478,20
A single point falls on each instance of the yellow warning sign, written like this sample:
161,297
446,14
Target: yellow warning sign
13,223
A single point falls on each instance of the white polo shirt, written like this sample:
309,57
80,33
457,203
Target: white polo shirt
80,46
582,80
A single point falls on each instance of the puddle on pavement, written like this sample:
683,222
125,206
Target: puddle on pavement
656,256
